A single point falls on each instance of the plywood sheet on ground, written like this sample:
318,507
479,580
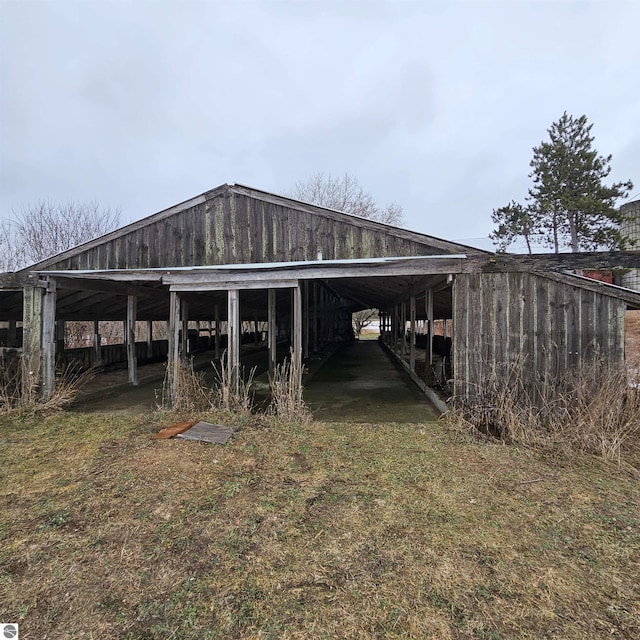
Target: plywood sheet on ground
174,429
207,432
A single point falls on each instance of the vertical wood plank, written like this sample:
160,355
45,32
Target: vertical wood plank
272,330
184,334
297,337
429,312
173,335
97,347
306,320
132,361
217,336
412,344
233,330
31,340
149,338
48,340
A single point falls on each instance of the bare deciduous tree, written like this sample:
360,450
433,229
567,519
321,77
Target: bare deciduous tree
11,253
47,228
362,319
344,193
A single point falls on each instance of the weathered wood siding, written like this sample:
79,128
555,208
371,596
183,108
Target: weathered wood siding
547,327
235,229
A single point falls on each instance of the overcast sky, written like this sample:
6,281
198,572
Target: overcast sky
434,105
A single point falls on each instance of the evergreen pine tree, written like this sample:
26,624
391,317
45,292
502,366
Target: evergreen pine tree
569,204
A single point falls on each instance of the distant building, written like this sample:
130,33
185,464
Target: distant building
631,228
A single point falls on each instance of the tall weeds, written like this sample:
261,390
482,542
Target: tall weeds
286,393
231,392
17,396
594,411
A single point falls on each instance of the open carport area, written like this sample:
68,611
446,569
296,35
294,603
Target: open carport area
235,266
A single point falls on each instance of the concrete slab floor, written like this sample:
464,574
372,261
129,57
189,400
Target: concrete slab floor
360,383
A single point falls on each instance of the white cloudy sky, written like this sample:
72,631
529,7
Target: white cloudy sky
435,105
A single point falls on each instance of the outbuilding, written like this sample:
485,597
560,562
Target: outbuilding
237,257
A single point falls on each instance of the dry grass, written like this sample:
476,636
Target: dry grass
233,388
231,391
596,412
314,531
16,398
286,393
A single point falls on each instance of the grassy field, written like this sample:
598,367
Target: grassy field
317,531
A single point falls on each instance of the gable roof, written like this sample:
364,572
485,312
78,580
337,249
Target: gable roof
430,244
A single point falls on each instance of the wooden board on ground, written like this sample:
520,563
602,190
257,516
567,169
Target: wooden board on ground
174,429
207,432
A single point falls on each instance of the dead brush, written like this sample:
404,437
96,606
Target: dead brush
286,393
233,389
19,395
192,394
595,410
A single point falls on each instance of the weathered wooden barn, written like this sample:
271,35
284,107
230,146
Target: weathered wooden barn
290,269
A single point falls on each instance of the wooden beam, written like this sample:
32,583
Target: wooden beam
184,334
315,317
412,344
105,286
272,336
297,338
227,284
429,312
217,336
60,335
132,361
233,350
48,384
149,338
97,348
173,355
402,267
31,340
305,319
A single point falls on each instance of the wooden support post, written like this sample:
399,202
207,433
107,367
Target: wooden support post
272,337
217,338
184,341
173,355
97,347
296,356
132,360
429,311
233,329
315,317
149,339
210,344
48,340
305,353
394,327
31,340
412,344
60,327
